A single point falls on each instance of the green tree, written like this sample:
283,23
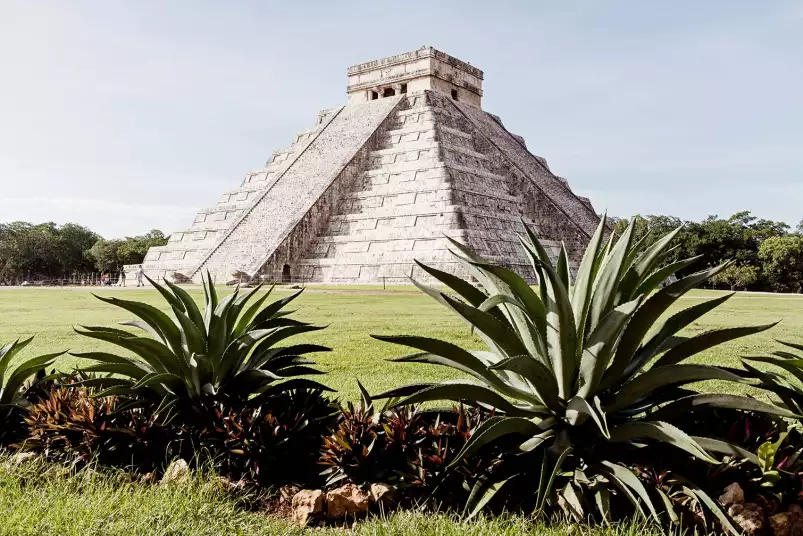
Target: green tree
737,277
782,258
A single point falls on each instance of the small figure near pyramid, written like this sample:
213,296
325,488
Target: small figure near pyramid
379,183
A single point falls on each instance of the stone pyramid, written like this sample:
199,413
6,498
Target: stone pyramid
378,183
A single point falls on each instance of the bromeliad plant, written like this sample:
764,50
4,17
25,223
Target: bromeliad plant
14,384
227,356
580,374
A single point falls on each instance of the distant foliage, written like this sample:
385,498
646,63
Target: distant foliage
112,254
767,255
48,251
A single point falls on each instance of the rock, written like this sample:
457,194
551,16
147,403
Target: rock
781,524
797,511
749,516
797,528
346,500
288,492
383,494
307,504
733,495
177,472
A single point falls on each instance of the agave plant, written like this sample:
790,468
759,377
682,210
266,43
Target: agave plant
14,384
580,374
227,354
789,391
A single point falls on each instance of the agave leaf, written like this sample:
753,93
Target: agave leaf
463,288
156,354
791,345
793,366
572,504
645,317
272,309
562,266
561,332
173,300
707,340
578,409
645,263
192,338
602,497
538,375
607,282
7,353
530,322
629,483
24,370
599,347
661,376
497,333
668,329
457,391
439,352
483,491
493,429
668,506
723,447
660,431
129,370
210,299
586,275
139,324
713,506
244,322
549,472
190,307
651,282
156,319
684,405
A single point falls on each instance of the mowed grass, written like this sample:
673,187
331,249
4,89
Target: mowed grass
351,314
40,498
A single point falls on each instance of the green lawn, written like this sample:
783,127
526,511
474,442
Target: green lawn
40,498
352,314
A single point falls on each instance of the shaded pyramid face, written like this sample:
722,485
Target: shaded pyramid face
375,186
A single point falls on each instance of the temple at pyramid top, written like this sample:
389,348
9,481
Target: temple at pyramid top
381,183
419,70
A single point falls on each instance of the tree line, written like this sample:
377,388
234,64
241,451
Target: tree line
767,255
33,252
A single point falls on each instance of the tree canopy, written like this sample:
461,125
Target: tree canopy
48,250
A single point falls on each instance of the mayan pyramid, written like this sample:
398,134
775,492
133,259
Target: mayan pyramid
376,184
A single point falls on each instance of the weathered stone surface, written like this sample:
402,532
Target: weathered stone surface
307,505
382,494
733,494
288,492
748,516
346,500
177,472
781,524
376,185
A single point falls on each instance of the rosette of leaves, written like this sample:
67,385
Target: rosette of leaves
15,385
407,446
229,353
273,444
72,426
580,374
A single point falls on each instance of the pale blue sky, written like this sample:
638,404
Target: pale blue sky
125,116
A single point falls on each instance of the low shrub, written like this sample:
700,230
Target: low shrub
407,447
71,426
273,444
